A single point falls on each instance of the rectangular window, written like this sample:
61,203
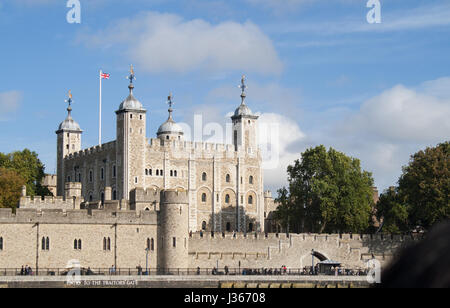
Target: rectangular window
174,242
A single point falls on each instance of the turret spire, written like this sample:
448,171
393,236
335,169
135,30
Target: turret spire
170,103
69,101
243,87
131,77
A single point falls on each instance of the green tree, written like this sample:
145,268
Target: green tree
28,166
392,212
328,192
425,186
10,188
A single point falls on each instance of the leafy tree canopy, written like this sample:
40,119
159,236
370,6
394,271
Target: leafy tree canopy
10,188
425,186
328,192
28,166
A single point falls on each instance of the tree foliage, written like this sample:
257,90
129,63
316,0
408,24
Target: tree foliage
328,192
425,186
10,188
26,164
392,212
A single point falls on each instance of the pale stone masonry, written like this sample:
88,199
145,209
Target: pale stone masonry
225,182
166,203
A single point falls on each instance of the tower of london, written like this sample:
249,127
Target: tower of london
224,181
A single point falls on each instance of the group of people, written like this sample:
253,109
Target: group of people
26,271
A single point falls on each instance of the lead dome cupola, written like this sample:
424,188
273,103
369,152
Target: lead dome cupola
170,130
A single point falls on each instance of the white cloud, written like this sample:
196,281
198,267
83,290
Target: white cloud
168,43
9,103
389,128
403,115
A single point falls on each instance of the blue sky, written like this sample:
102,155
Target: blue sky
317,68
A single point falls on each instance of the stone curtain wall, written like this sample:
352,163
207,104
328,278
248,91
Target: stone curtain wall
294,251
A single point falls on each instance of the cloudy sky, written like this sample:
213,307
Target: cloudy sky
316,69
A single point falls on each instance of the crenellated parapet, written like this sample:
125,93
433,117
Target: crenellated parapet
107,147
91,217
50,202
198,148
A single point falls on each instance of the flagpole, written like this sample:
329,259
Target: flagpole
100,113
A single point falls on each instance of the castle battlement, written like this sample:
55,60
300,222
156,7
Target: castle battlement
217,236
49,202
92,150
226,150
59,216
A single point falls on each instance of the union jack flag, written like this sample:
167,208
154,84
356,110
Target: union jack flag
104,76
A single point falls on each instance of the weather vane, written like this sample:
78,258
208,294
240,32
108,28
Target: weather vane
132,77
70,98
169,100
243,86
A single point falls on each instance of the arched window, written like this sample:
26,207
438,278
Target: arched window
204,177
146,171
90,198
148,244
109,244
152,245
114,171
45,243
104,243
91,177
204,226
227,199
157,172
228,178
250,199
102,174
171,172
250,180
75,244
175,173
79,244
203,197
150,172
1,243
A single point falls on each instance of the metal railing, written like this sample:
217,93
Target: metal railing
183,272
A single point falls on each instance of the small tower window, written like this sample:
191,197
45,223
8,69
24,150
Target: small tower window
114,171
114,195
157,172
90,176
150,171
204,177
174,242
227,199
228,178
250,199
1,243
204,198
102,173
131,116
250,180
204,226
175,173
146,171
171,172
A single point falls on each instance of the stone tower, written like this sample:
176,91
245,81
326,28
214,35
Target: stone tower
173,242
68,142
131,142
245,131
